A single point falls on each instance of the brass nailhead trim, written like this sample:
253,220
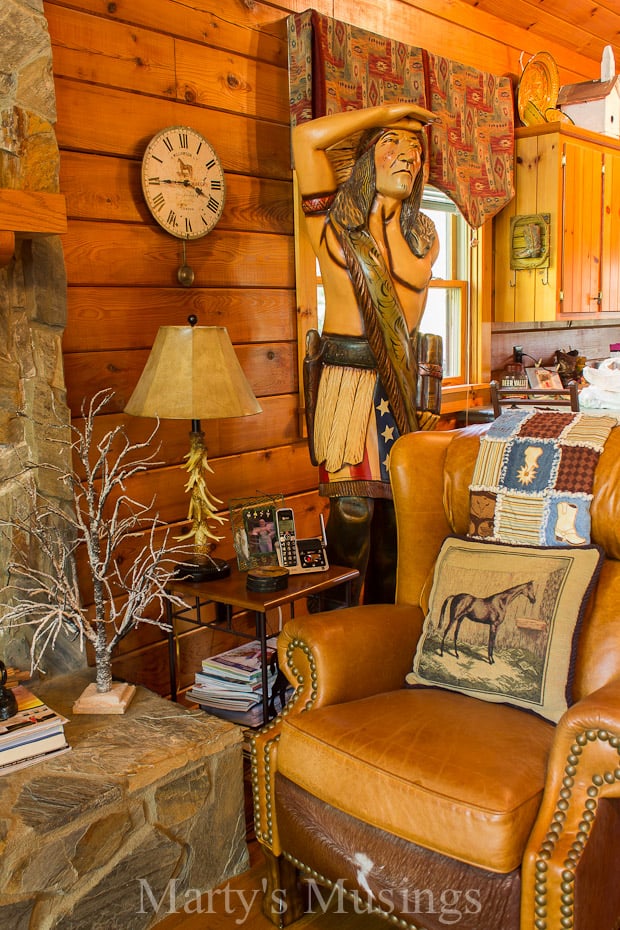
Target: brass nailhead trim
264,832
322,880
556,827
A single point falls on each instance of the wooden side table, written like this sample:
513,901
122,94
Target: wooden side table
230,592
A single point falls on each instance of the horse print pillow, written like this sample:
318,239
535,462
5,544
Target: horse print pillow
502,622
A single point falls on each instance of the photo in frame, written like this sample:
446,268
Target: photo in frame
546,379
253,524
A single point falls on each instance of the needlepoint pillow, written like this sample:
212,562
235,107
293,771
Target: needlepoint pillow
502,622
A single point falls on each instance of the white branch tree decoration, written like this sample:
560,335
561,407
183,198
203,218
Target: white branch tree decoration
47,597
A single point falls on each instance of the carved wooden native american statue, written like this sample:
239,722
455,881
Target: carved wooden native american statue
369,376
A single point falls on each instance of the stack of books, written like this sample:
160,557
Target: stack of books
230,684
34,733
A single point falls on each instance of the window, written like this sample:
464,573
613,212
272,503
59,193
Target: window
446,313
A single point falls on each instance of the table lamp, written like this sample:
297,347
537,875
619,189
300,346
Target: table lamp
193,373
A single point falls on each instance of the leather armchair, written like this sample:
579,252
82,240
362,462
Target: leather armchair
429,806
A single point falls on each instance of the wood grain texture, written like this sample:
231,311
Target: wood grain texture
107,317
276,425
583,25
255,30
109,188
568,175
32,212
271,369
485,38
141,255
95,119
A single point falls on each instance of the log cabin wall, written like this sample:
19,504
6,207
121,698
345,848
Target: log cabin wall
124,70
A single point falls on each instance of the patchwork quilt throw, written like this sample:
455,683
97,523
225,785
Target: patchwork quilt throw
533,478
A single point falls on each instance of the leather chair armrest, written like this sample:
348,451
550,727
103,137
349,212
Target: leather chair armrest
348,654
584,766
330,658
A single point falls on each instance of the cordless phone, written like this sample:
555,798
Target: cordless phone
297,555
287,543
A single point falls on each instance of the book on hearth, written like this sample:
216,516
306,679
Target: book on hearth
35,731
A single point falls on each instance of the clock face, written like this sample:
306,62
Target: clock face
183,182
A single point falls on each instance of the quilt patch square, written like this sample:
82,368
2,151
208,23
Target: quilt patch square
482,514
576,468
519,517
567,521
489,464
506,426
546,424
530,465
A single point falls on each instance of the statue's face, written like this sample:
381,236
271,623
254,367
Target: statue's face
398,159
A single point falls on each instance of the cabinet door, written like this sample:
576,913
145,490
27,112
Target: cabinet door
610,265
529,294
582,220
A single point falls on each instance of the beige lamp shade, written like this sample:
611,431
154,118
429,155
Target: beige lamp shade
192,373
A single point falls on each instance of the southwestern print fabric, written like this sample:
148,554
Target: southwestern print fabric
334,66
533,478
472,142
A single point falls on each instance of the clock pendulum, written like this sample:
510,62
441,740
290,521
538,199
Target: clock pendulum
185,274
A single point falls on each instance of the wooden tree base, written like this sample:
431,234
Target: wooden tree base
114,701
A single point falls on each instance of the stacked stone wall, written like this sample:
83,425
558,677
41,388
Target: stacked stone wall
33,301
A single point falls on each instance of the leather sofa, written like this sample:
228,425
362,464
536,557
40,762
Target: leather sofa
429,806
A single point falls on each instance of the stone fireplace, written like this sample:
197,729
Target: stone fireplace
32,291
152,799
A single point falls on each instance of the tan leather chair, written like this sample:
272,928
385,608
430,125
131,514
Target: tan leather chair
449,810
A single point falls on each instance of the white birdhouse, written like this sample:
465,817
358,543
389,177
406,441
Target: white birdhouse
595,105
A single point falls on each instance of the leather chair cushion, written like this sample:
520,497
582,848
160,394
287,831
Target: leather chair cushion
451,773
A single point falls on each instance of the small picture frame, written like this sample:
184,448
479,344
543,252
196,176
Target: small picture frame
545,379
253,524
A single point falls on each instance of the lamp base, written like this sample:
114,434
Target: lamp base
202,568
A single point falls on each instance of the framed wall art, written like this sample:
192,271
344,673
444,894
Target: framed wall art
545,378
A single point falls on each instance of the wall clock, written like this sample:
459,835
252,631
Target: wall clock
183,182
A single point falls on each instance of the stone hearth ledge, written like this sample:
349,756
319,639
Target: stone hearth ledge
144,804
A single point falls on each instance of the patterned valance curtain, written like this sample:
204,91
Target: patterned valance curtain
334,66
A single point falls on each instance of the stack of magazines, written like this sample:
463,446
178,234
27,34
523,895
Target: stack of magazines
34,733
230,684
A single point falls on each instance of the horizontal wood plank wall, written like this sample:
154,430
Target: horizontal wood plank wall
125,70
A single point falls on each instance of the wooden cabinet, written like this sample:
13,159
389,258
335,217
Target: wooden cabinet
570,177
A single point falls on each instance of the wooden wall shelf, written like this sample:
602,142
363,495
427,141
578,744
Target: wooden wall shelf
29,214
